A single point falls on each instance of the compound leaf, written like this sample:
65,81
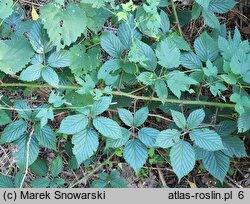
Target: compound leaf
207,139
21,154
179,119
5,181
101,105
182,157
195,118
111,44
217,163
140,116
116,143
74,124
148,136
17,47
206,48
50,76
85,144
107,127
135,153
39,167
56,166
13,131
167,138
126,116
168,54
59,59
45,136
64,28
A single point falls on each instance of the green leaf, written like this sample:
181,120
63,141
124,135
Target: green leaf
85,144
102,182
234,146
165,22
221,6
228,47
167,138
107,127
50,76
45,136
5,181
127,32
44,114
242,102
23,109
226,128
21,154
196,11
107,68
39,167
230,78
5,8
101,105
96,17
39,39
178,82
144,55
161,89
140,116
168,54
147,78
73,163
56,166
59,59
210,19
83,60
210,69
217,163
206,139
18,179
182,157
240,64
57,182
17,47
111,180
180,42
4,118
31,73
73,124
135,153
243,121
190,60
40,183
203,3
195,118
111,44
148,136
116,143
64,28
206,48
126,116
179,119
13,131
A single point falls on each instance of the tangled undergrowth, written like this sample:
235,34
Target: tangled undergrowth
108,93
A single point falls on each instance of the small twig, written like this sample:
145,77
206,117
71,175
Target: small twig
176,18
159,116
27,156
92,172
234,182
164,184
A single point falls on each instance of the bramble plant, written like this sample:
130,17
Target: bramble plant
110,81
